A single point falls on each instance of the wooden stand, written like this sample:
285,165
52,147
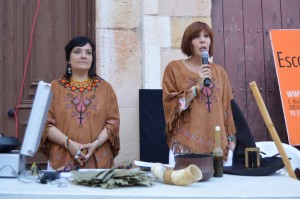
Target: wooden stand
271,128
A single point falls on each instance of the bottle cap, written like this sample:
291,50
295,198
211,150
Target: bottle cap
217,128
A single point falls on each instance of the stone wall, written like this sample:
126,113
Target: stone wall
135,41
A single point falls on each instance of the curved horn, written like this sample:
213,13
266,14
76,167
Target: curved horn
180,177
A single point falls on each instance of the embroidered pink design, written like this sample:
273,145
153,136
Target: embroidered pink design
207,91
195,138
81,105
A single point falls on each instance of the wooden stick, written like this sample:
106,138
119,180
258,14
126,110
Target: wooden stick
271,128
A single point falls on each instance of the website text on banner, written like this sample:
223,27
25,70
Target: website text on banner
286,51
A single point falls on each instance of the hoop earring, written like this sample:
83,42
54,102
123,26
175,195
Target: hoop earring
69,69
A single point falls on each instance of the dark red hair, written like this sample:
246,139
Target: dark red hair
191,32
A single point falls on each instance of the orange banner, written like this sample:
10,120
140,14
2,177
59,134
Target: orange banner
286,51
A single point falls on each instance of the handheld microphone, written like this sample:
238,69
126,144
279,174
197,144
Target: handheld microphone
204,56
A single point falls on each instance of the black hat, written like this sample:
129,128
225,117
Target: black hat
244,139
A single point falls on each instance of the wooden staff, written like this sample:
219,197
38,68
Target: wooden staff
271,128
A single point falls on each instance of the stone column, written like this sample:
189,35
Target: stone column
135,40
164,22
119,61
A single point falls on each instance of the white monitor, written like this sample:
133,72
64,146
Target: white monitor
37,118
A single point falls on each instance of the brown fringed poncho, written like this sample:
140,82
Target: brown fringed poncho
193,129
81,112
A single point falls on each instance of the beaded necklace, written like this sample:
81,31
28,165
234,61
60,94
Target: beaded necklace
77,86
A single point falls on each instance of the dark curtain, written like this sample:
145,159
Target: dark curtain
153,145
